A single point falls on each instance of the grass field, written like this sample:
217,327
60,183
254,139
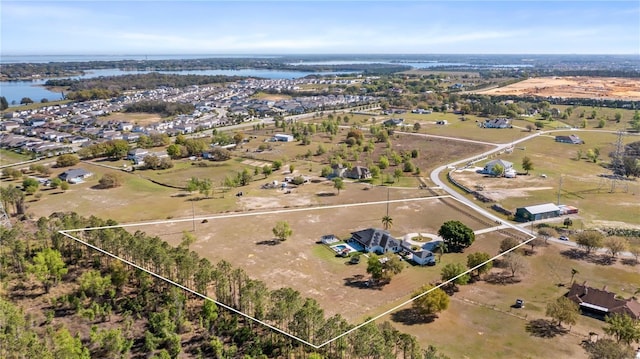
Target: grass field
582,185
494,330
480,311
8,157
245,242
270,97
142,119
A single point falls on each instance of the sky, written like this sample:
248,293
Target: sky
319,27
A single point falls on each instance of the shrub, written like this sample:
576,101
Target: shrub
110,180
67,160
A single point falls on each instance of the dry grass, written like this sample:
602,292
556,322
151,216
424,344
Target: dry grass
582,183
313,269
494,330
142,119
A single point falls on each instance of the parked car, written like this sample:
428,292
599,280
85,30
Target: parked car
563,238
519,303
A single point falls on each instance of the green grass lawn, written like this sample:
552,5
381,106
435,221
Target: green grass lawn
467,129
8,157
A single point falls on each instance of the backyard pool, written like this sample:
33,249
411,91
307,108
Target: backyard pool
341,248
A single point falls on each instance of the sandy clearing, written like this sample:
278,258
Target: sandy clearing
573,87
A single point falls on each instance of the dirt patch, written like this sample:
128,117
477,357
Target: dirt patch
278,201
500,188
573,87
500,194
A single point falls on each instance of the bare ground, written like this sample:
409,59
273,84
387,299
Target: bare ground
573,87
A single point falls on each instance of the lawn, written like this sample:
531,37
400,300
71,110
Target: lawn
582,183
142,119
494,330
8,157
137,199
467,129
246,242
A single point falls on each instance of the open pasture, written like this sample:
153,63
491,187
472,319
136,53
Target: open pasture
583,182
246,241
495,330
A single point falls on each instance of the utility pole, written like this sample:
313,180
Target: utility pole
559,190
193,214
387,201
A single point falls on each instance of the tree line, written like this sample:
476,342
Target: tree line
101,288
161,107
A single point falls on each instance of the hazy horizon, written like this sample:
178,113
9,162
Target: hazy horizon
320,27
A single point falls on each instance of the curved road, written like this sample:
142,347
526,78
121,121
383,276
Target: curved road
435,174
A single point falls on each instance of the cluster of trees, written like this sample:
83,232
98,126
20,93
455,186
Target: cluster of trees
101,287
114,149
592,240
203,186
13,198
623,328
153,140
110,180
154,163
139,81
3,103
382,269
12,173
40,169
92,94
161,107
629,163
185,147
67,160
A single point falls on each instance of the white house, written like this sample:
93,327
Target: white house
506,165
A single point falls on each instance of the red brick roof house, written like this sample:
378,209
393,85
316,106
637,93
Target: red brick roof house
600,302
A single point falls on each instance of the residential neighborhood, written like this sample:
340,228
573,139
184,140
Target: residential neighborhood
57,129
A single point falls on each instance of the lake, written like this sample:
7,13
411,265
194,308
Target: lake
14,91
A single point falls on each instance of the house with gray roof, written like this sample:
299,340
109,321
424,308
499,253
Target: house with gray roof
376,240
75,175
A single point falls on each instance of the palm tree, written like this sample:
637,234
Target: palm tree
573,274
442,247
387,222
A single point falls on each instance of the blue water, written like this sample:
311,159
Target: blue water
16,90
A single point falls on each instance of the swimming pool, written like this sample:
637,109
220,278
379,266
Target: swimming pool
339,248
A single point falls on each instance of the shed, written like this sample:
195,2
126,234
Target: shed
282,137
537,212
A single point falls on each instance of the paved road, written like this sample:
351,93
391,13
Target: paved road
435,177
435,174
